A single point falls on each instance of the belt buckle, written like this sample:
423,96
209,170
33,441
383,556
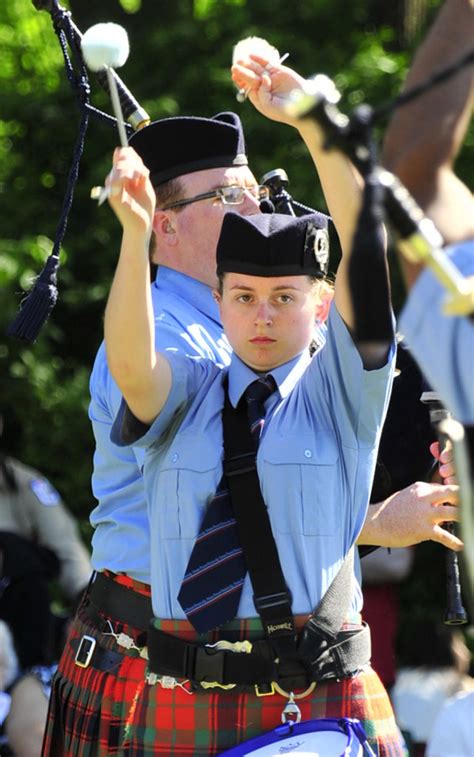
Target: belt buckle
265,693
237,647
85,651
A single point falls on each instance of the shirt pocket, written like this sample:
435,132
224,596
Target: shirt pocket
189,476
301,478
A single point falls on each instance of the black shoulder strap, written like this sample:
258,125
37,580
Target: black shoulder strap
272,598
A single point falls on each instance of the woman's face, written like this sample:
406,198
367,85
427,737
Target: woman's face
268,321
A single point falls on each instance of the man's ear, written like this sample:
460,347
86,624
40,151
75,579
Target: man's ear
164,228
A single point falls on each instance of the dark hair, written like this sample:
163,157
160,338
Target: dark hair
170,191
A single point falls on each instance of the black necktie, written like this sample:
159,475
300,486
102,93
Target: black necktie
212,585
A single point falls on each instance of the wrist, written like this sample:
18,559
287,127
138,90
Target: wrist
371,533
136,241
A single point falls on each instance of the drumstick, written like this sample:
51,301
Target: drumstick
105,46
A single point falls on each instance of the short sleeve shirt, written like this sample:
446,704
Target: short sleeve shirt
315,464
442,344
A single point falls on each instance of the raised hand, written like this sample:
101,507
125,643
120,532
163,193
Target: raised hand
268,85
130,192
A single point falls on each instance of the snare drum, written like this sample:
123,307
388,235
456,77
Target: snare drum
327,737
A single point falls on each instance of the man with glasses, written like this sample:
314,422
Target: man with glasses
199,170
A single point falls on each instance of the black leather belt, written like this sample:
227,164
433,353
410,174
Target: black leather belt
108,598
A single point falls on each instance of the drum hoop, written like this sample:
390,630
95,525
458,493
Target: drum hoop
342,726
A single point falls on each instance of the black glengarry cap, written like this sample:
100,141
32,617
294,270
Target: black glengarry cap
274,245
173,147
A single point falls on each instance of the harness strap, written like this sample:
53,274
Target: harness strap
272,598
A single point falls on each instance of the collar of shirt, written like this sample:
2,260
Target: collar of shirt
198,295
286,376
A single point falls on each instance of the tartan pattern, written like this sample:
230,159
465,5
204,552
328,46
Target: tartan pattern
95,714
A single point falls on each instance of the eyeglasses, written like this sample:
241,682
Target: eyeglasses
227,195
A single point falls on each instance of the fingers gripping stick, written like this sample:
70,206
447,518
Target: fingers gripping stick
255,46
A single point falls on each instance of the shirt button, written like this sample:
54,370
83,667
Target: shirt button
308,453
174,459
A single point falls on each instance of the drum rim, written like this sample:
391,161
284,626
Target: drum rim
344,726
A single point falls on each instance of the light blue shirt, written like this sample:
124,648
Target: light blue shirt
315,463
442,344
187,320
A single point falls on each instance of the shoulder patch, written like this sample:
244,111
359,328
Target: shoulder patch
44,492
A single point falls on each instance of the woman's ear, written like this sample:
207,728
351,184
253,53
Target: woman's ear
322,306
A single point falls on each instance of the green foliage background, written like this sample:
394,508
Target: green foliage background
179,64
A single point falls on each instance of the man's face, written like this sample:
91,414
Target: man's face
198,224
268,321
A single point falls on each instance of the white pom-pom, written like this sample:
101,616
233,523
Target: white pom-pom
105,45
255,46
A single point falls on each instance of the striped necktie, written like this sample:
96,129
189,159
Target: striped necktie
212,585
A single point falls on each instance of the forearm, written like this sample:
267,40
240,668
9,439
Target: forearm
340,181
342,188
129,323
143,377
424,137
377,531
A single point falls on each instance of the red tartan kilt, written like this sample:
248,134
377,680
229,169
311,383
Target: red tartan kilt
95,714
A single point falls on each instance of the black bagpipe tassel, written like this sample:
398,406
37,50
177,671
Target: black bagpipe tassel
38,304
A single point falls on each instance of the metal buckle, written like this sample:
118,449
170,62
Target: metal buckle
265,693
291,694
209,665
237,647
85,651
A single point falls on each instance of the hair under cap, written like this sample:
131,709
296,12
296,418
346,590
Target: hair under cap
173,147
274,245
